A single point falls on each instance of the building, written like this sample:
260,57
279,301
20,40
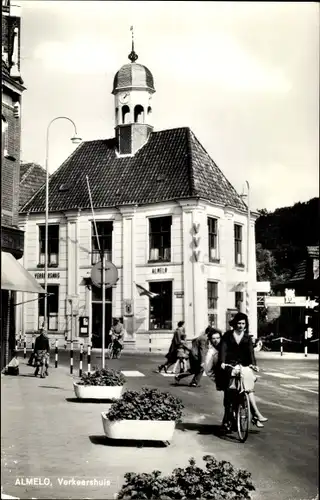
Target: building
166,216
13,276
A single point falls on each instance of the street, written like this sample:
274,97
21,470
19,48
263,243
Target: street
46,433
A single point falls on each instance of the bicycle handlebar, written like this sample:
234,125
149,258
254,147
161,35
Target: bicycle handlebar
253,367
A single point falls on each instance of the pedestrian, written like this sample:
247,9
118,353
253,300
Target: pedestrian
117,333
183,353
32,358
197,357
237,349
173,349
42,353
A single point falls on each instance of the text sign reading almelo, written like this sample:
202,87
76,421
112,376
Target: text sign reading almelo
40,276
159,270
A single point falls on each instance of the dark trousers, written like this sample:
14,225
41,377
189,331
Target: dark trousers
195,369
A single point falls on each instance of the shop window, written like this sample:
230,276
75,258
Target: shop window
212,298
53,245
52,308
160,239
104,230
238,300
161,306
213,239
4,124
238,257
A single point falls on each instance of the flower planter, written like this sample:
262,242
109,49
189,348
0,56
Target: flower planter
98,391
144,430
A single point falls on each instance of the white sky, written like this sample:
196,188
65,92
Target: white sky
243,76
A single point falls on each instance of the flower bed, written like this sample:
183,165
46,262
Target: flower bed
100,384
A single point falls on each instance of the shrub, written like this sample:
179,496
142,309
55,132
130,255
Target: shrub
102,377
148,404
218,481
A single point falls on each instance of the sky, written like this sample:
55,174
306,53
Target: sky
244,76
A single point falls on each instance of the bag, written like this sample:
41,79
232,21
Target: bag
208,364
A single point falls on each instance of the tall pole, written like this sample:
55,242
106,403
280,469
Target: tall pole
248,251
103,276
75,140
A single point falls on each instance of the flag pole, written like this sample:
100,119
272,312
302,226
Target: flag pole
101,252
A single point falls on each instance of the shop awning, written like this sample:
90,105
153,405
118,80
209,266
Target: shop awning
15,277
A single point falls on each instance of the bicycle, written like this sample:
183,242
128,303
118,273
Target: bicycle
113,352
240,404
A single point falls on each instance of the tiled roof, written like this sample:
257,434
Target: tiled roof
171,165
133,75
5,69
32,177
300,273
313,251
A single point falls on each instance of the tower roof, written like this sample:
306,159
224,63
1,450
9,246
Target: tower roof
133,75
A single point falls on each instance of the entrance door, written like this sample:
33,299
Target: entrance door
96,310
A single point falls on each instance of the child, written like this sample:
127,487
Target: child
183,353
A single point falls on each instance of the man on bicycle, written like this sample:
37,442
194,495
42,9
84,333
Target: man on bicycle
117,335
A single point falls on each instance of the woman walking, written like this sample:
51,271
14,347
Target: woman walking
172,354
42,353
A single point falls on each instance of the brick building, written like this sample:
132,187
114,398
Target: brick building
166,216
13,276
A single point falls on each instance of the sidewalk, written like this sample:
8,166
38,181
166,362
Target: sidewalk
48,436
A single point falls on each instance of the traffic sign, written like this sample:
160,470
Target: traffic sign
110,276
274,301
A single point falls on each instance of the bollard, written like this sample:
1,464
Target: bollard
20,339
281,346
81,359
89,358
16,344
32,343
65,341
307,329
149,342
56,355
25,346
71,358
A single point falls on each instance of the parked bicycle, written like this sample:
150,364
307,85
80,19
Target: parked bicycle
240,404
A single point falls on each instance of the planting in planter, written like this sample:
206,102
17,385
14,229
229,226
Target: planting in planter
220,480
100,384
149,415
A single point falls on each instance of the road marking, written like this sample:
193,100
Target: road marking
312,375
280,375
132,373
174,374
299,387
290,408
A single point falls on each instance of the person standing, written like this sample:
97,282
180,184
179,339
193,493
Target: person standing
42,353
197,357
176,342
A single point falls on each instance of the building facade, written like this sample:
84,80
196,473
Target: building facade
166,217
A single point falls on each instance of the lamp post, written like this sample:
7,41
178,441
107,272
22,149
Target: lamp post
75,140
248,247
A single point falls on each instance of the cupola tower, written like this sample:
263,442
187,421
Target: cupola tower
132,89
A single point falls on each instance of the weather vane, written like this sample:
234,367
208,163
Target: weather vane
132,56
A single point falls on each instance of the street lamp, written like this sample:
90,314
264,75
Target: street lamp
247,195
75,140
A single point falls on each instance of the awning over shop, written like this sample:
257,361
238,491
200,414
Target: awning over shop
15,277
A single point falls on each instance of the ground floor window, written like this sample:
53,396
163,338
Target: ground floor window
161,305
212,297
52,308
96,314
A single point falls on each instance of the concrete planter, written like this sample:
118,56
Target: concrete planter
144,430
98,391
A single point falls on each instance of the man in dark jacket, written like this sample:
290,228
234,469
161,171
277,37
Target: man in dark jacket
197,357
42,352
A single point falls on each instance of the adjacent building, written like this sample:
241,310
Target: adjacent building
13,276
167,218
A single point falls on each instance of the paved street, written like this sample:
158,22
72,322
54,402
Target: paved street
46,433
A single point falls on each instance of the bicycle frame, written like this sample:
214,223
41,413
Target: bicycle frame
238,401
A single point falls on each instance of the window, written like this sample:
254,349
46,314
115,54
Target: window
161,306
213,239
4,136
104,230
117,116
238,300
160,239
238,245
125,114
53,307
53,245
97,294
212,295
138,114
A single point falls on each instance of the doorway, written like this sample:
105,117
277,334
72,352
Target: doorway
96,315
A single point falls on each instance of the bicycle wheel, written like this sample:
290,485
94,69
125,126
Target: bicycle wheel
109,351
243,417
